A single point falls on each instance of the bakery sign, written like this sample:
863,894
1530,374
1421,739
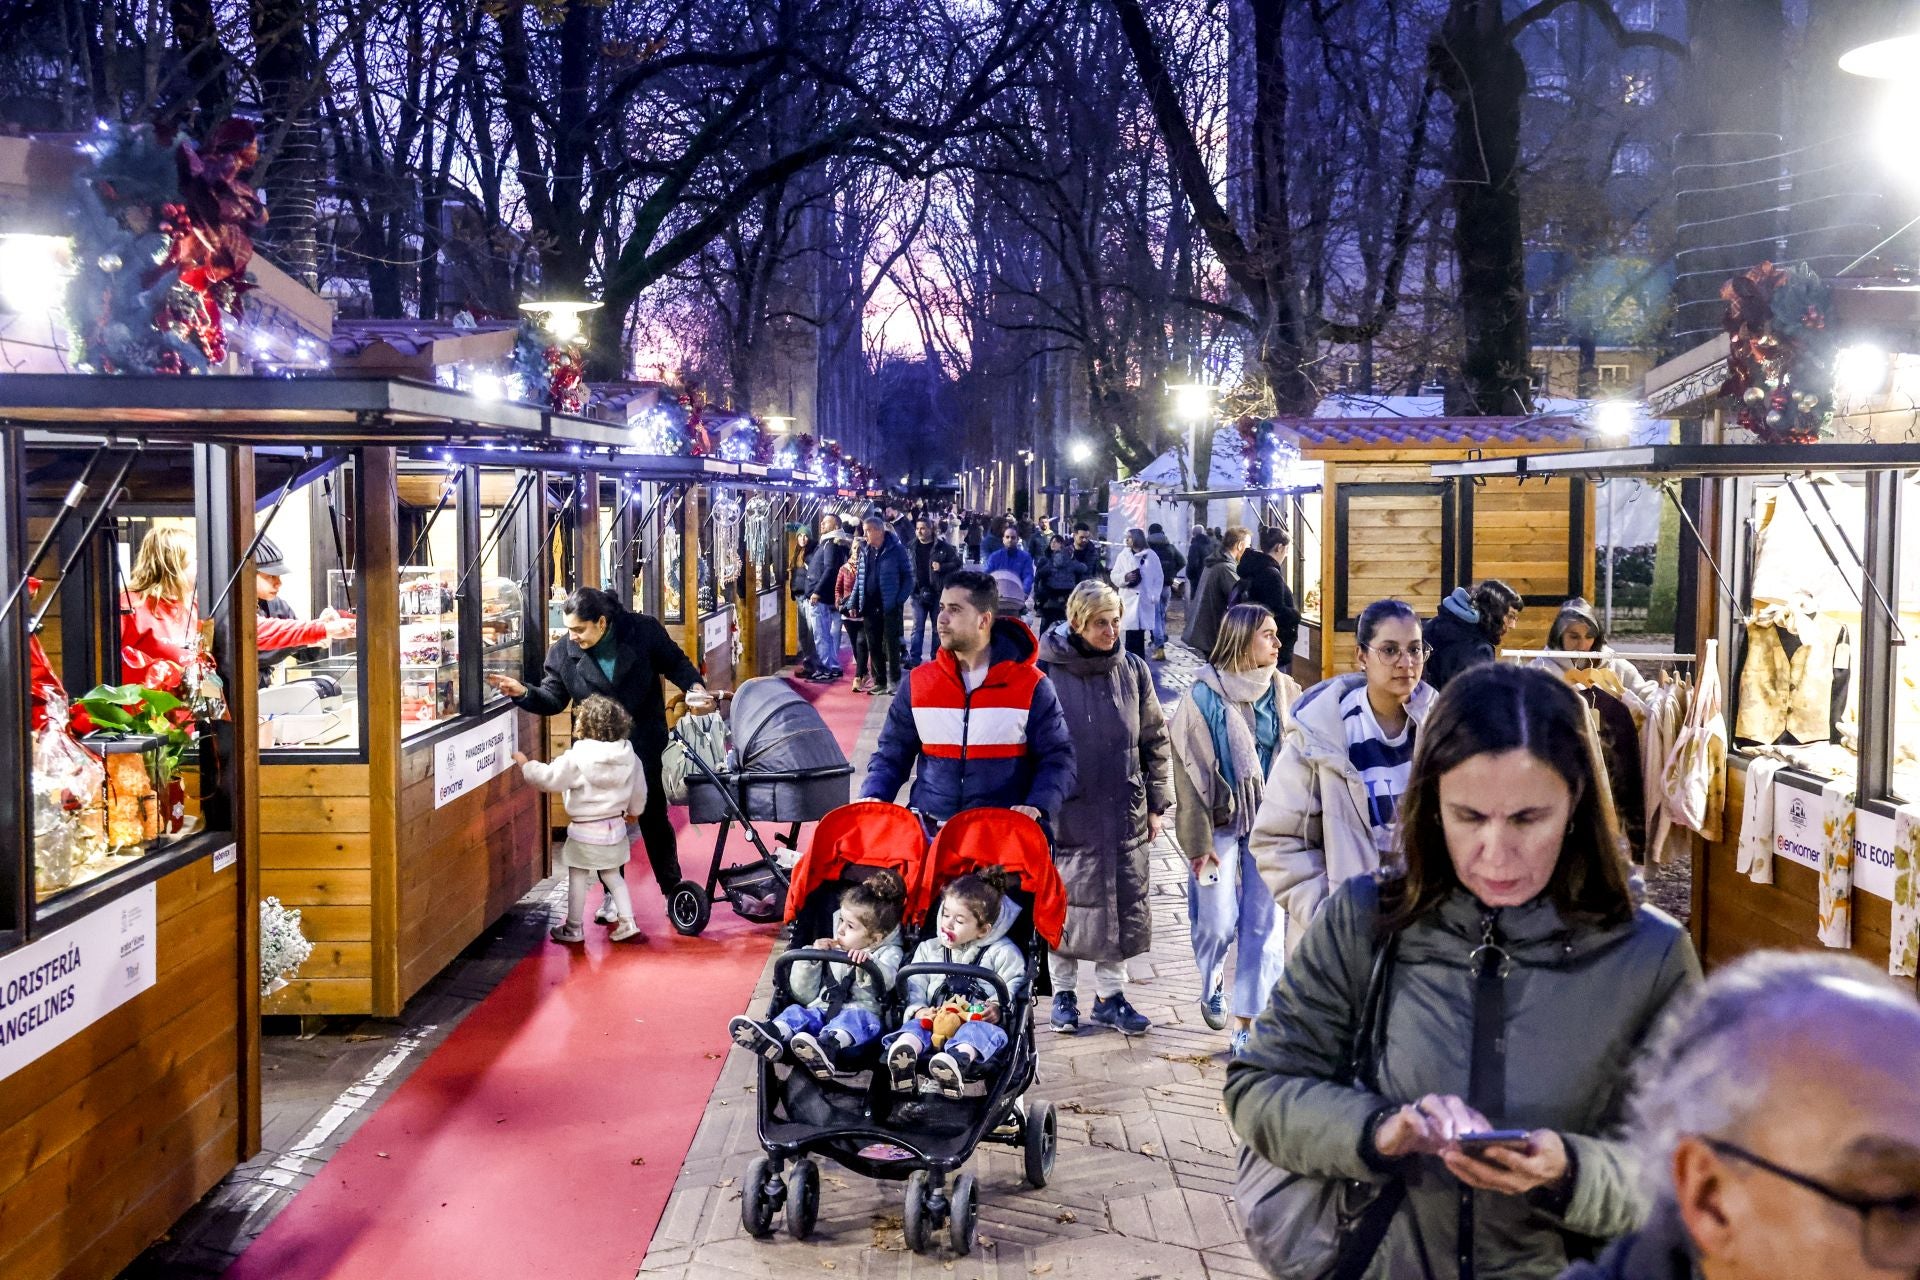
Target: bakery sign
465,761
57,986
1799,833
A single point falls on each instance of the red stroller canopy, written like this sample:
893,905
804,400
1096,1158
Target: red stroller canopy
979,838
869,834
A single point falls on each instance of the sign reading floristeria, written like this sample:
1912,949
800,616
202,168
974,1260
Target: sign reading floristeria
55,987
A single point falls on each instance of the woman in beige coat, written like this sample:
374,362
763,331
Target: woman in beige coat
1328,811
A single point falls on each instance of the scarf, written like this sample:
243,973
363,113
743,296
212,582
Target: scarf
1084,649
1231,716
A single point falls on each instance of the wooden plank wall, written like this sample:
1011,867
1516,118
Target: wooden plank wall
316,853
108,1139
460,867
1733,915
1520,536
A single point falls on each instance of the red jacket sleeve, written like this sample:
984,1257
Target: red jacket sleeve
290,633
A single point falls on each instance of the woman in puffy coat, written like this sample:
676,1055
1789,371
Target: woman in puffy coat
1328,811
1125,788
1522,985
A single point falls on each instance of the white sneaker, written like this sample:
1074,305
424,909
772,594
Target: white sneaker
608,912
626,929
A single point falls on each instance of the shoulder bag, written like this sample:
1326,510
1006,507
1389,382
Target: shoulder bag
1302,1227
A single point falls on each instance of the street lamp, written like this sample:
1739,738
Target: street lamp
560,319
1889,59
1191,400
1079,451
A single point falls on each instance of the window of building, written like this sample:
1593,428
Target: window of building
1639,89
1612,375
1641,15
1537,374
1634,159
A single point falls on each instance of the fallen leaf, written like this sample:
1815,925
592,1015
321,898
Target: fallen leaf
829,1266
1148,1149
751,1088
501,1120
383,1155
1040,1269
1066,1215
638,1160
712,1056
723,1184
985,1242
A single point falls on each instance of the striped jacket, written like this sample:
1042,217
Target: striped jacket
1002,745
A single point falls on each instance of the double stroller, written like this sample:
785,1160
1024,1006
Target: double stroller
785,766
855,1118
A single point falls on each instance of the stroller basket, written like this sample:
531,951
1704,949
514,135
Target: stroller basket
758,892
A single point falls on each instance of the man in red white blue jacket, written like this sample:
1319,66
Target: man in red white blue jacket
979,726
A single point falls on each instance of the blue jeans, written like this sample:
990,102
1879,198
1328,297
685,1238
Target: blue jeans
1237,907
860,1026
984,1038
1160,619
924,616
826,634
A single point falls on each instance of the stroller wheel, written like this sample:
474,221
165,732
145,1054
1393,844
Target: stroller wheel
803,1198
962,1219
689,908
1038,1143
757,1199
918,1219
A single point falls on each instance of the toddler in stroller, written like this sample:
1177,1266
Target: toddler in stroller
953,1024
836,1007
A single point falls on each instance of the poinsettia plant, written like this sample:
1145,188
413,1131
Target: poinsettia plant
132,708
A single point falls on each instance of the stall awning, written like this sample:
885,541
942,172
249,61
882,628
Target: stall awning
640,466
258,410
1688,460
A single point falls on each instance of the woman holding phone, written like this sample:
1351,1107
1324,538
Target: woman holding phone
1519,984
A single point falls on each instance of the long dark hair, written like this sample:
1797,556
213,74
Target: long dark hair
591,604
1491,709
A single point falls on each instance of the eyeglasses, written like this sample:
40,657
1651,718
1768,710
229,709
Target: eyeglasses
1889,1225
1393,655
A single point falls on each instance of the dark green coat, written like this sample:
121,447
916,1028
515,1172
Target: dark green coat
1581,1001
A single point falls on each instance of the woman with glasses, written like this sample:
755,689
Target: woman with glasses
1328,812
1517,984
1225,733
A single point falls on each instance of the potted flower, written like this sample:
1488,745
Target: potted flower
153,722
283,947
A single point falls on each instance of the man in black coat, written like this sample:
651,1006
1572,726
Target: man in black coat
621,655
1262,581
933,559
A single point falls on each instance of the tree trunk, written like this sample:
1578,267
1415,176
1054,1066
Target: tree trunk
291,177
200,87
1481,72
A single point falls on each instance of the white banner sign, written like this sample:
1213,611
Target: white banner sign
1799,833
769,605
716,630
467,759
57,986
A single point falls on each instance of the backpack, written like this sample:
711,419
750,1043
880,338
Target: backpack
1240,594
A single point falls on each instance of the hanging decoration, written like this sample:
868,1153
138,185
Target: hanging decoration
552,371
163,232
1780,353
1250,436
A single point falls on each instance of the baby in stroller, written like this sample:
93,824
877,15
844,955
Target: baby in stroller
971,928
836,1008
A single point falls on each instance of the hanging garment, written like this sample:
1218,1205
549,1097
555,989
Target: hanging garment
1836,864
1796,674
1620,755
1696,772
1903,956
1754,857
1666,712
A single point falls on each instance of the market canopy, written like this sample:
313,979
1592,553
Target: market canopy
1681,461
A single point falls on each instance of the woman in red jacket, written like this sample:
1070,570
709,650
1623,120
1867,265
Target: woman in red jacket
159,617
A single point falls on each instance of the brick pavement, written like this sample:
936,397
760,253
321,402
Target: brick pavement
1140,1188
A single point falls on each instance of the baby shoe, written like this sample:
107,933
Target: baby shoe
755,1037
815,1055
900,1061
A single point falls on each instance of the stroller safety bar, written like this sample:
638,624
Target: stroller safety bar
971,971
784,962
800,775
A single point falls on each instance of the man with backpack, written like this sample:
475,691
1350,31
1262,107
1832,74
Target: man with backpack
1172,564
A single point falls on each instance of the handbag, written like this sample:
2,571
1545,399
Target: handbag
1303,1227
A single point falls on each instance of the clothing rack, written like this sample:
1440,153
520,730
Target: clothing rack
1631,655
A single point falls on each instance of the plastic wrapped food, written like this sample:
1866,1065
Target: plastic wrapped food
69,814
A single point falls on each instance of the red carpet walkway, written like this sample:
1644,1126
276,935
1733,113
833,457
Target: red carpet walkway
543,1138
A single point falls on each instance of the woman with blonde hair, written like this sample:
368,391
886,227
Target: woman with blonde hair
159,616
1225,735
1123,792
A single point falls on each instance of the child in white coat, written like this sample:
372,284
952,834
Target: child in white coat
604,786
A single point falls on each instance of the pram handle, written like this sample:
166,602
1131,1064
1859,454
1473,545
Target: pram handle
974,972
785,961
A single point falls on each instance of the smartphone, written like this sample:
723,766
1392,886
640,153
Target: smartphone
1512,1139
1211,875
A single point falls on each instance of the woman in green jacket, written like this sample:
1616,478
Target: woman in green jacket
1523,982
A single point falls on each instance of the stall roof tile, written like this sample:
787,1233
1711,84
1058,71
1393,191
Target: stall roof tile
1431,432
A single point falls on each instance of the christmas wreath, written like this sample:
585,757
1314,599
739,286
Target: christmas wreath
1780,353
550,372
1253,456
163,233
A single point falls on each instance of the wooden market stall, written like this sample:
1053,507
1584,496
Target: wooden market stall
1385,525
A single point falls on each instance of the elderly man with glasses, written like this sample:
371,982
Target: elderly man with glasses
1778,1124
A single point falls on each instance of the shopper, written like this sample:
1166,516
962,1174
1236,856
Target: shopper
1331,803
1172,565
159,616
1088,552
609,650
799,589
979,726
1521,985
1200,548
1576,629
1263,581
1054,581
1125,787
1207,602
1040,540
823,575
1468,629
1225,734
883,581
933,559
1012,558
1136,571
604,787
847,604
1778,1128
